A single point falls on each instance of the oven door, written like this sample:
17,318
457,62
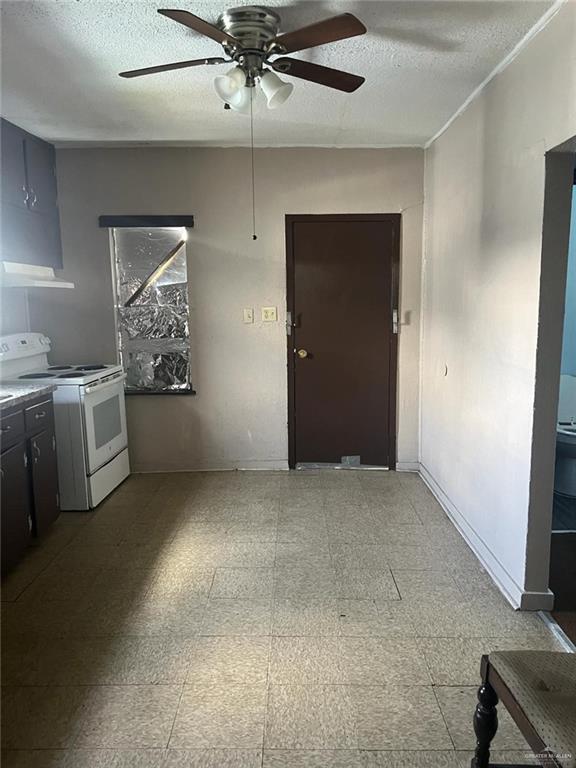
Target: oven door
104,421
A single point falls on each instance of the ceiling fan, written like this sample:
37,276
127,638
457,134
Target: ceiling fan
251,39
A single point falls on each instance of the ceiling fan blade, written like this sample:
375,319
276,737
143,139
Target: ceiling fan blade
168,67
332,78
199,25
327,31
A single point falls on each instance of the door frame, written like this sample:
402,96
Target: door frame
393,218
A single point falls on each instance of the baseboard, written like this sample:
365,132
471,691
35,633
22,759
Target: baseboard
144,469
263,465
515,594
536,601
407,466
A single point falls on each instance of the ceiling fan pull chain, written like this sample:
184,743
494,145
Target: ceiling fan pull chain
254,235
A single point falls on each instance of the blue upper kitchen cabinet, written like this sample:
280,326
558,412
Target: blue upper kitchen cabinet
29,199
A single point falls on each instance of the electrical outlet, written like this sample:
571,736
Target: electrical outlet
248,315
269,314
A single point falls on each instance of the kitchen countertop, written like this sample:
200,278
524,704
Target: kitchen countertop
21,393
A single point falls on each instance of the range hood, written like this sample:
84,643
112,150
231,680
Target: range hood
14,275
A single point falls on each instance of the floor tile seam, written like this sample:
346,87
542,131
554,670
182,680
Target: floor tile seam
425,659
176,710
185,636
395,584
89,749
66,686
394,638
345,684
234,749
41,571
82,686
443,716
408,498
267,699
476,637
365,749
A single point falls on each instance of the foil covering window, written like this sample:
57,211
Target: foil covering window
153,316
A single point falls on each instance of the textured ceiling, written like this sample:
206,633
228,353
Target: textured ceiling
421,60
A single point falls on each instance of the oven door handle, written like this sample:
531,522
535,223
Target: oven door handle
98,387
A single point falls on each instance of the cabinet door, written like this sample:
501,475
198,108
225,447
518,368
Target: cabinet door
41,175
30,223
44,481
16,521
14,190
44,225
30,238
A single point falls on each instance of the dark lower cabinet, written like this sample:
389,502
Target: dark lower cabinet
16,517
44,481
29,476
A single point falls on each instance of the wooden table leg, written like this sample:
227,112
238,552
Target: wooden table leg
485,725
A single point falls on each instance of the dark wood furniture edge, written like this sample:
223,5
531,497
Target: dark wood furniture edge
146,221
493,690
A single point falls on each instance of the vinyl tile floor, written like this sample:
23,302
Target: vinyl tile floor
330,619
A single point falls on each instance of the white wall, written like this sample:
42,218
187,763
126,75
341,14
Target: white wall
569,338
484,189
239,417
13,310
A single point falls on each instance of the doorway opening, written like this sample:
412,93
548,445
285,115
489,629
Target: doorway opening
563,543
342,339
551,552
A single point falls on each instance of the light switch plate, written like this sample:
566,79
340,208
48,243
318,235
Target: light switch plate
248,315
269,314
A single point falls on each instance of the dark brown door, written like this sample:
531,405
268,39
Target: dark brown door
342,290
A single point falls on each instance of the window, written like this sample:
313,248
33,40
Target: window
152,309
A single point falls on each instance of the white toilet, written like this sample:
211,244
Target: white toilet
565,474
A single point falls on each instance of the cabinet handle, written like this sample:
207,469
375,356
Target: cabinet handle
40,415
34,198
7,428
37,450
53,442
26,195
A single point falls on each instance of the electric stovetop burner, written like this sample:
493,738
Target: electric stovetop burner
60,367
73,375
37,376
97,367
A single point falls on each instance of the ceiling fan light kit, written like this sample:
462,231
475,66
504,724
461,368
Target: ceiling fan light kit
275,90
240,102
251,39
228,85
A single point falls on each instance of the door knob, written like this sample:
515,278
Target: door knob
302,353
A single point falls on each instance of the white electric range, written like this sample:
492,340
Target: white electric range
89,413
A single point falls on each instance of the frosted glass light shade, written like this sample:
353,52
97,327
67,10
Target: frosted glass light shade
275,90
240,102
228,85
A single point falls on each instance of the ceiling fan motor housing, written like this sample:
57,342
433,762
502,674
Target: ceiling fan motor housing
254,26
